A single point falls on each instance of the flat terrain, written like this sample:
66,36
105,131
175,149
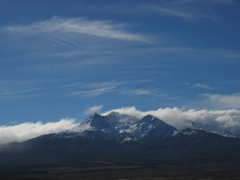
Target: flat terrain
225,171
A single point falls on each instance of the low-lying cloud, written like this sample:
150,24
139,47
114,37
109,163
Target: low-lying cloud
221,121
25,131
227,101
93,110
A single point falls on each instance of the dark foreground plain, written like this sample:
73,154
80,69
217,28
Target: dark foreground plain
188,155
200,157
108,171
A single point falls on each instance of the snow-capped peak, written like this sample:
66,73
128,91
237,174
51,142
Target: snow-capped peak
125,127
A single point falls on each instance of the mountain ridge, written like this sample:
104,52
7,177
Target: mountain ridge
123,139
124,127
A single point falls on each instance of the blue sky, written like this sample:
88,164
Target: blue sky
70,58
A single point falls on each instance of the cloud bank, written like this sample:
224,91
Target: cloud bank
221,121
25,131
224,100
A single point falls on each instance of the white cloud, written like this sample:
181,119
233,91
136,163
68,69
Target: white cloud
92,92
176,12
25,131
219,120
185,10
227,101
119,88
205,1
204,86
106,29
92,89
97,89
141,92
221,1
13,90
93,110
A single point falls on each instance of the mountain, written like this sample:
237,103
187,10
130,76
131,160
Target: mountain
125,127
213,128
125,140
121,128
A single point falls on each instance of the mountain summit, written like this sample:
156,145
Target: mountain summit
125,127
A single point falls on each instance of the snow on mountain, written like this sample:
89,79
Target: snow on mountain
124,127
211,128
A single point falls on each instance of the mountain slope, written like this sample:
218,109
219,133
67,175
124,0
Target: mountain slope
123,128
123,139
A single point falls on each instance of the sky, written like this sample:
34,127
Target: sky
63,60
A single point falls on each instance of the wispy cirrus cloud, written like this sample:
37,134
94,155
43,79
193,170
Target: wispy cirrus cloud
13,90
105,29
187,10
91,89
126,88
92,92
205,1
141,92
203,86
185,13
222,1
197,85
14,94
